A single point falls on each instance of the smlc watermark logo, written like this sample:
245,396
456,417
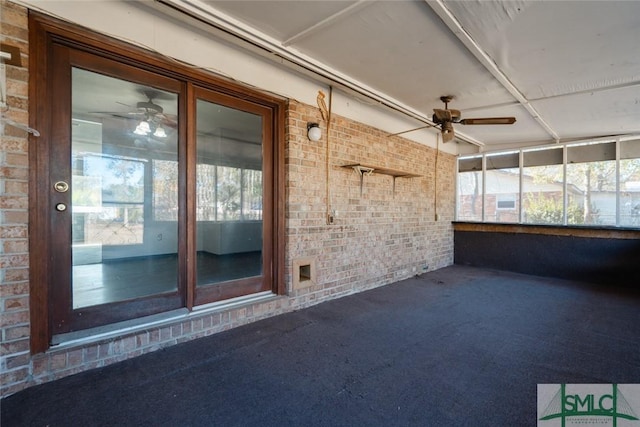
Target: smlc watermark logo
561,405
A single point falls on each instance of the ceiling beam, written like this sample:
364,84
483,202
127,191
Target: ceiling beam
605,88
481,55
244,35
326,22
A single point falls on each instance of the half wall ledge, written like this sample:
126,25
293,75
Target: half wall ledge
602,255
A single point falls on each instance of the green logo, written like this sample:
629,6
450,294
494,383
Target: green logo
592,401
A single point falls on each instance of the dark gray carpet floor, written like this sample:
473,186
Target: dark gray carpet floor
460,346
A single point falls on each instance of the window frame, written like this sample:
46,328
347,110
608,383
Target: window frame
46,32
588,151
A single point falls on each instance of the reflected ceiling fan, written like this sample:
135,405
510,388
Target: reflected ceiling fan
444,119
152,121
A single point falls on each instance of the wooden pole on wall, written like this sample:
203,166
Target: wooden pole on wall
326,115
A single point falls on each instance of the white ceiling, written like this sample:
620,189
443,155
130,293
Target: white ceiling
565,69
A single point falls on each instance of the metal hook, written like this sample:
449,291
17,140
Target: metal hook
26,128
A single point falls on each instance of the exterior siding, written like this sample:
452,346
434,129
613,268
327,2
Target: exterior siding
378,237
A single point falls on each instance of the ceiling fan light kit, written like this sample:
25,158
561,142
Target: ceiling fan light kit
151,119
153,113
160,132
143,128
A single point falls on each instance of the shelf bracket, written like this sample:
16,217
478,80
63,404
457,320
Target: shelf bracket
362,171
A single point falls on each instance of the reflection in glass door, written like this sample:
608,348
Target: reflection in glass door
229,194
124,190
146,200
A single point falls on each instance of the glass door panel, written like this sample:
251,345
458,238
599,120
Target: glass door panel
124,190
229,194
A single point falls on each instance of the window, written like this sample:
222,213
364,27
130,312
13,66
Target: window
630,183
543,186
506,202
502,185
470,189
159,185
221,188
165,190
591,169
592,183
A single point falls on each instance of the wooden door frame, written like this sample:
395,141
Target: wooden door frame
244,286
44,32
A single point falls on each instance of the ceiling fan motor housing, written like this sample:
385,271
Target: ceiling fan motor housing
149,107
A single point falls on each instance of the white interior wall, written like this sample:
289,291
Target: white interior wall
139,23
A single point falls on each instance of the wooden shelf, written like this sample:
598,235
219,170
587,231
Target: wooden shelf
362,170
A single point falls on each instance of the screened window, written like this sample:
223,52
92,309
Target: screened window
165,190
630,183
470,189
228,194
108,199
591,170
588,183
502,185
543,187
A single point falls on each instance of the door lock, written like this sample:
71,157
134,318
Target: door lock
61,187
61,207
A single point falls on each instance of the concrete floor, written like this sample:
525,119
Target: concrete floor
455,347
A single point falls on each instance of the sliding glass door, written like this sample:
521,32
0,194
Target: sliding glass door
230,195
136,229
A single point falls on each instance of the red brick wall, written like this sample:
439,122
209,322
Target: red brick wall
378,237
14,172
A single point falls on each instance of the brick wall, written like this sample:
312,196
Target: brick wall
14,257
378,237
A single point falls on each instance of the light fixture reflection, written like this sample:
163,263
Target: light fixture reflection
142,128
160,133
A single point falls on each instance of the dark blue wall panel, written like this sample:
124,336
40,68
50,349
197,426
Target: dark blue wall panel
598,260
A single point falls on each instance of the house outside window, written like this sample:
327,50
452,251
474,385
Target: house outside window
590,183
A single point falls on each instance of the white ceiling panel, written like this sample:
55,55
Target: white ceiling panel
557,47
594,114
417,62
280,19
564,69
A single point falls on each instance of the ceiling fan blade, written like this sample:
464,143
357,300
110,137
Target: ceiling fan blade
410,130
440,115
447,131
169,121
455,115
448,136
489,121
